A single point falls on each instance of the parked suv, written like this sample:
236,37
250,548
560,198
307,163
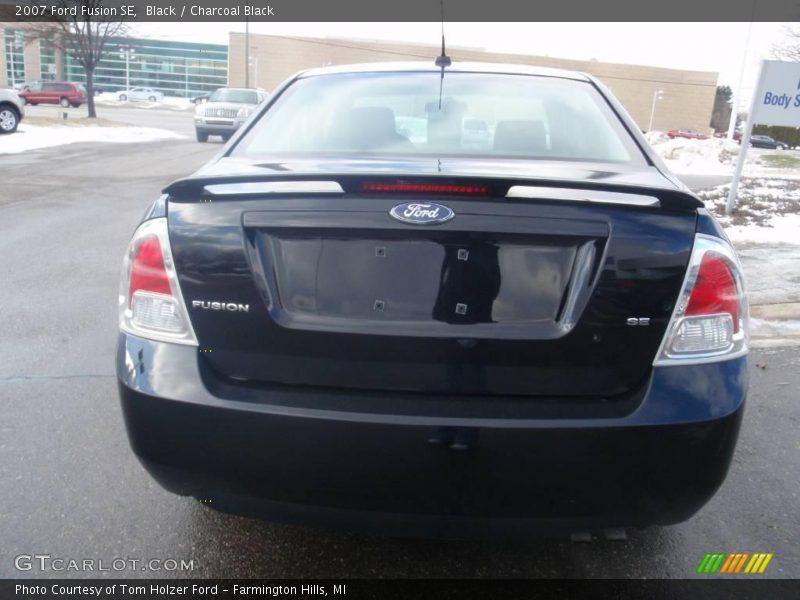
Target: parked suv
11,111
64,93
225,111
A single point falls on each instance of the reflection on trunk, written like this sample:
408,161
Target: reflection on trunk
469,284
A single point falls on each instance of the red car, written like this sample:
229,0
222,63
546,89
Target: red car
64,93
690,134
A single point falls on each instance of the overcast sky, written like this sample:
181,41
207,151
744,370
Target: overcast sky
716,47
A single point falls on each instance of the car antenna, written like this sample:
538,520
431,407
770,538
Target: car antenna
442,60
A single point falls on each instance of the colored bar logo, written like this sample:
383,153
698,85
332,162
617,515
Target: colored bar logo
737,562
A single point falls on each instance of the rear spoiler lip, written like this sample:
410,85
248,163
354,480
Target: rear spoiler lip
193,188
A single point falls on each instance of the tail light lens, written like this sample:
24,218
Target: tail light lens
150,300
710,320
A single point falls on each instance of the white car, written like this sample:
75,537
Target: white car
141,94
11,111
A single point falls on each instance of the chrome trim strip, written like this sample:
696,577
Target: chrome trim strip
274,187
577,195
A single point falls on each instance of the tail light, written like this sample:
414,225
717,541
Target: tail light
710,320
150,300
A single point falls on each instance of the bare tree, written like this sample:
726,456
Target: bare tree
789,47
81,34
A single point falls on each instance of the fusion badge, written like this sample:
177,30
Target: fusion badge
422,213
226,306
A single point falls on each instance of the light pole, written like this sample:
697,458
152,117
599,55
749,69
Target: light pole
126,53
657,95
254,60
735,101
253,64
247,53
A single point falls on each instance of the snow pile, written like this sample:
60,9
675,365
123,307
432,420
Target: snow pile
32,137
656,137
712,156
168,102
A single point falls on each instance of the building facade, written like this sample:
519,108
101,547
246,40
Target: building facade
190,68
686,102
175,68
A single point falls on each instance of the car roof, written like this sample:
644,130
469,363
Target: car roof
455,67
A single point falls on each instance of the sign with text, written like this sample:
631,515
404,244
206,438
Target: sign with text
777,100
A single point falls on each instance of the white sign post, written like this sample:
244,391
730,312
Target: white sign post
776,101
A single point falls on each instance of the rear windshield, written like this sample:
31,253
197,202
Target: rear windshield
235,96
484,115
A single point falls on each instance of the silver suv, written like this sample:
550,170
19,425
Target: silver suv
225,111
11,111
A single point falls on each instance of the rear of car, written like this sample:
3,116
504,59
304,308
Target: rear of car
63,93
12,111
337,321
224,111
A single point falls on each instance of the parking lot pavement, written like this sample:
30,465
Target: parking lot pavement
177,121
71,487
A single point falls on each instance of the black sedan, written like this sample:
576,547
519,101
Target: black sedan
764,141
344,321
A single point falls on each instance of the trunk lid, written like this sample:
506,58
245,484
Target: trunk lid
511,296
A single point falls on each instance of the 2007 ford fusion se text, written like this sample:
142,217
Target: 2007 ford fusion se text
363,314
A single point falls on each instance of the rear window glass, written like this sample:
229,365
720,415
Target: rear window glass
487,115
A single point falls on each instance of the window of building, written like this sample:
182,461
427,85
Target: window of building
14,45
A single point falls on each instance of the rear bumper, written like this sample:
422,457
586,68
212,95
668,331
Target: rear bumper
285,455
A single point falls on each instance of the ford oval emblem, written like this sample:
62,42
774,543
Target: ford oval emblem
422,213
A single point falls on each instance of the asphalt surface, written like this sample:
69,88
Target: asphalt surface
179,121
71,488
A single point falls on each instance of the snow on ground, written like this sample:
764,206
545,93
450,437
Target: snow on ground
168,102
31,137
767,210
768,204
765,228
714,156
780,230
